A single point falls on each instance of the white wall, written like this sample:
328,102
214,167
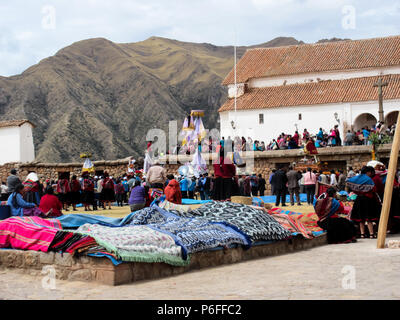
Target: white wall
278,120
27,149
9,145
313,77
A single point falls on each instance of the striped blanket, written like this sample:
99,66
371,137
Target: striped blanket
192,234
28,233
308,220
137,243
293,225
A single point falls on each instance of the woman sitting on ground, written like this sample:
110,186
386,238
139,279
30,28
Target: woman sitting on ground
51,204
328,209
173,191
20,207
137,199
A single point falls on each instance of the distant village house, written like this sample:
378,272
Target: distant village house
16,141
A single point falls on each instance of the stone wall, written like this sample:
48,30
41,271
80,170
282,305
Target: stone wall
103,271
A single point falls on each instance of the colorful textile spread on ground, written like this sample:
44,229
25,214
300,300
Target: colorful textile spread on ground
138,243
293,225
308,220
74,221
28,233
257,224
193,234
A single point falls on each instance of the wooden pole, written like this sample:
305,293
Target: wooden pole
387,199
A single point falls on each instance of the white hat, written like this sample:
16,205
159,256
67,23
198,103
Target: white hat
32,176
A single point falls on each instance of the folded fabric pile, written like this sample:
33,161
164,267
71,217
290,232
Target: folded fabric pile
37,234
193,234
255,223
308,220
293,225
138,243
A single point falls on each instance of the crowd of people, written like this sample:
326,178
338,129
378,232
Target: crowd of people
284,141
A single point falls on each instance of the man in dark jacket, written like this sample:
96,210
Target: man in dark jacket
279,180
261,185
13,181
293,185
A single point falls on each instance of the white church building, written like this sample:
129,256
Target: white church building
16,141
284,89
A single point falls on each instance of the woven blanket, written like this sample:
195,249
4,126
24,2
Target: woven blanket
309,220
293,225
28,233
193,234
74,221
257,224
137,243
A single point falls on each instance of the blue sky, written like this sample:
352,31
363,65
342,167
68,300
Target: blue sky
35,29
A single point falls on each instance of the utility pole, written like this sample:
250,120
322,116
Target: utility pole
380,85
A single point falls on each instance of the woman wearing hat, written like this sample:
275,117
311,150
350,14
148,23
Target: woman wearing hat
31,185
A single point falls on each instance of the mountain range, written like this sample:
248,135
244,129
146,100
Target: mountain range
102,97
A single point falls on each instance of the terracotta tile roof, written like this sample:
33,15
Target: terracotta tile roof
332,91
14,123
307,58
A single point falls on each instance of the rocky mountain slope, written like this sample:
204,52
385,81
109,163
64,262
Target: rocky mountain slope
102,97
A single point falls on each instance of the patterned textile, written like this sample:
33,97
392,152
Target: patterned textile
293,225
309,220
325,206
193,234
137,243
166,205
257,224
27,233
360,183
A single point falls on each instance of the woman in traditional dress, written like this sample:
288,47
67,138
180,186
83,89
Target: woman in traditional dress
63,190
75,192
367,206
20,207
31,185
87,191
108,190
329,209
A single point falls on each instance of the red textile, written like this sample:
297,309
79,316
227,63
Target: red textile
75,186
218,173
173,192
380,187
48,202
63,186
228,169
310,146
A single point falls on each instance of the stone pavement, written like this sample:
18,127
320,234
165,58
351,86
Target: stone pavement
350,271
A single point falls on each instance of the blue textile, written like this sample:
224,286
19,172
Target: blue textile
100,255
192,234
192,201
272,199
74,221
360,183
